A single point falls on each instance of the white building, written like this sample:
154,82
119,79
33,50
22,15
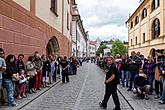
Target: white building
79,36
98,42
92,49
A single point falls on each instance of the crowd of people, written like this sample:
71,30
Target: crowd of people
143,76
19,78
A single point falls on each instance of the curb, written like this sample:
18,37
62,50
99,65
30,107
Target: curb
30,99
42,92
132,102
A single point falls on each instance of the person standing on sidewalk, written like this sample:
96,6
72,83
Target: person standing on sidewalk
112,79
75,63
38,66
46,69
10,76
149,69
31,72
64,65
2,70
134,65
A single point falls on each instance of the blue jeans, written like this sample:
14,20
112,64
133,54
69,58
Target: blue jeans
151,80
8,84
0,89
132,74
125,75
163,93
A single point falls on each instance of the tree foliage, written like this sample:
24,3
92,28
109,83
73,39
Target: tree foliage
100,49
118,48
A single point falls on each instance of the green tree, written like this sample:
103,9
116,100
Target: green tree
118,48
100,49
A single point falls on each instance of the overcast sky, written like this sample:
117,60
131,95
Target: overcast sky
106,18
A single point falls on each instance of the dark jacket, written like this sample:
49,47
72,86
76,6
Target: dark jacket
10,69
46,67
112,70
20,65
135,64
124,65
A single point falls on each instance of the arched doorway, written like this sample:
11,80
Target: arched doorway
53,46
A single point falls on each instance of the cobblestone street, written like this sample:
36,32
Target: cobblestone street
83,92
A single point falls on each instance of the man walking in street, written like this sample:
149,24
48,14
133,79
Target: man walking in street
111,82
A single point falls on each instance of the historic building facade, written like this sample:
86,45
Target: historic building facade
92,48
146,28
79,35
36,25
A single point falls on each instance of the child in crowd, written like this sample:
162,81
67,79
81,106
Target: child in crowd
141,84
22,85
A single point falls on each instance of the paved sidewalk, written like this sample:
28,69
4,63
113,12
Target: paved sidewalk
141,104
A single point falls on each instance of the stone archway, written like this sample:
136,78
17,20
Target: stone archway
53,46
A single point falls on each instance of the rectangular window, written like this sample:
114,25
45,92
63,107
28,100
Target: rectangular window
67,20
53,7
144,38
136,40
131,43
70,28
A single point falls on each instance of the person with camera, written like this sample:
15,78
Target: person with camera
9,77
142,85
112,79
134,65
162,68
2,70
158,78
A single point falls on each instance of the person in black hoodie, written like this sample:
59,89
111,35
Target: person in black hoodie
10,76
112,79
134,65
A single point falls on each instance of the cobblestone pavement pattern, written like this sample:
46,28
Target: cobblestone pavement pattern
83,92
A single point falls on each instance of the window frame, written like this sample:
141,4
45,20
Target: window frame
67,20
156,28
136,20
54,7
136,40
154,6
131,43
144,38
131,25
144,13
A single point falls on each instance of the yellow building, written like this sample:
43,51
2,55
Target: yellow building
146,28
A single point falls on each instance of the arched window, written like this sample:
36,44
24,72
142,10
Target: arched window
144,13
136,20
131,25
136,41
156,28
155,4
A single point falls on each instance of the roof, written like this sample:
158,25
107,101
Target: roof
92,42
